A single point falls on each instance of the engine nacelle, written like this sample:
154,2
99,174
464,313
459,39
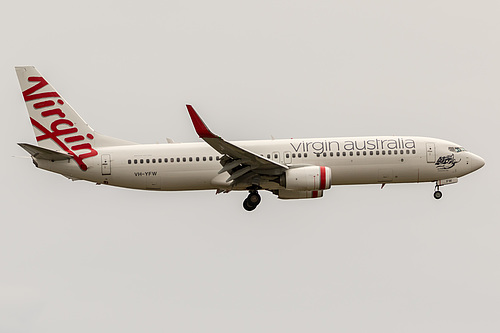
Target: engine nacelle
308,178
289,194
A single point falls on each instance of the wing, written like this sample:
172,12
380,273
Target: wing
240,163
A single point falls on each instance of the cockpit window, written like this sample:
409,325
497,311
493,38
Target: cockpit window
456,149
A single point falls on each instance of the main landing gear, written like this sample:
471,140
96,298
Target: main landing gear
252,201
437,193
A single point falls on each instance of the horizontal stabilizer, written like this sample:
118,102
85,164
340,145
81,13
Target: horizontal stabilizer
44,153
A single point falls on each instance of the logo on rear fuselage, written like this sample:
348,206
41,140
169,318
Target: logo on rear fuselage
60,125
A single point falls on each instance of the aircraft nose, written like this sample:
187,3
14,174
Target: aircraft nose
476,162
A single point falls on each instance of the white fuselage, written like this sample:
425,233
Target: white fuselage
195,166
290,169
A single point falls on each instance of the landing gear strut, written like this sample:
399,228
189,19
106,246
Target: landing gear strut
437,192
252,201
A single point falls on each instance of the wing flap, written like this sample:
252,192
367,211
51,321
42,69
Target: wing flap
231,165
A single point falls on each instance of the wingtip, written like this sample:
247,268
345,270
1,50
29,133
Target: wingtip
200,127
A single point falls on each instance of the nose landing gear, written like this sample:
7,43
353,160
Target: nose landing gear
252,201
437,193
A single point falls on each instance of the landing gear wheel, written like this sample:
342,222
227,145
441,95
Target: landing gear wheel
252,201
438,195
248,206
254,198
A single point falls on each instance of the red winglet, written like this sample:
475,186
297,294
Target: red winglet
199,125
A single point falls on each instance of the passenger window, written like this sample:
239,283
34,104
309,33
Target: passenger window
331,154
351,153
183,159
135,161
276,156
217,158
129,161
293,155
287,155
383,152
344,153
395,152
401,152
210,158
414,151
358,153
190,159
159,160
305,154
178,159
154,160
389,152
407,151
197,159
142,161
377,152
371,152
299,155
204,158
172,160
364,152
268,155
338,154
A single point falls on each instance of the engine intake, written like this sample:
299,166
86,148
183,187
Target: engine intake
309,178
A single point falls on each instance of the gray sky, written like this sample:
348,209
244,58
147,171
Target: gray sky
79,257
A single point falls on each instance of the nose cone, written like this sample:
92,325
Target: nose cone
476,162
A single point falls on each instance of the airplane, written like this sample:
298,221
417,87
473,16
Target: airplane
288,168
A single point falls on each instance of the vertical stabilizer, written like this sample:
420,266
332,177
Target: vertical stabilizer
56,124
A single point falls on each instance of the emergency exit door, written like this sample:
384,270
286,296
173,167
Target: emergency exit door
106,164
431,152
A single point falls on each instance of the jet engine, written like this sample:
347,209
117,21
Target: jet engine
308,178
289,194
